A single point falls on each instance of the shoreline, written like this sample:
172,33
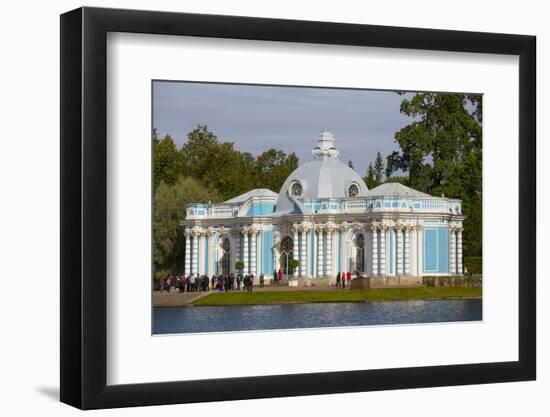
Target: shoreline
191,305
238,298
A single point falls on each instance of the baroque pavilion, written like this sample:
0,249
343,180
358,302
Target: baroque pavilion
325,217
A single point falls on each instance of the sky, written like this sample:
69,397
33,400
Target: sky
258,117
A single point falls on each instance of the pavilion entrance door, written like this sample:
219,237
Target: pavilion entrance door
225,262
287,246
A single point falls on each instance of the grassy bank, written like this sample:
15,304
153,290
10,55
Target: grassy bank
304,296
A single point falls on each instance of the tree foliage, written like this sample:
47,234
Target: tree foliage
370,178
166,161
441,150
169,211
375,173
273,167
378,169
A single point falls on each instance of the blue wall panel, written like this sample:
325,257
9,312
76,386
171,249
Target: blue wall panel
260,209
267,253
436,250
443,249
430,250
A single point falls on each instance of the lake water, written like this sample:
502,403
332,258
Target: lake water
297,316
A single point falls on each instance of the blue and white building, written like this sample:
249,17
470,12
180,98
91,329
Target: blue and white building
325,217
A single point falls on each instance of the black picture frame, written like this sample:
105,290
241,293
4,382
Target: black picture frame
84,207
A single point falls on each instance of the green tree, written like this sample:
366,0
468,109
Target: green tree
294,263
199,151
370,178
166,161
273,168
169,210
239,266
378,169
441,150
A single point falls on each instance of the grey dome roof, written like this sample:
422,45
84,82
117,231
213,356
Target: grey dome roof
395,189
323,177
257,192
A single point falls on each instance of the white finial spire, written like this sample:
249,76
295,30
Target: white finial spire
325,148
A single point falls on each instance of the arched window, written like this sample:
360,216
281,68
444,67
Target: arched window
287,247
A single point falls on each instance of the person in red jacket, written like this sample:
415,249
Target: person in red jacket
348,276
280,274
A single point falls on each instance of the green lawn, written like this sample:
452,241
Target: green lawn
304,296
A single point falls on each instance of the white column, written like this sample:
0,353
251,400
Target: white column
320,253
295,250
245,252
374,250
261,267
459,251
328,254
303,262
382,254
195,255
253,252
452,251
202,253
407,252
212,248
309,259
399,250
238,247
419,250
187,259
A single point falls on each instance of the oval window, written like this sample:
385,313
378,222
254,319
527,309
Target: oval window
353,190
296,189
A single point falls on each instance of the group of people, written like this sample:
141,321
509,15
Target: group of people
229,282
197,283
342,278
191,283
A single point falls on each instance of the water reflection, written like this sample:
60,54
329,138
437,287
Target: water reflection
296,316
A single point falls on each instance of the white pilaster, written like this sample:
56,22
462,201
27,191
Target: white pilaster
374,250
238,247
211,265
459,251
246,269
195,254
328,256
303,262
309,249
399,250
187,259
452,251
419,250
202,253
382,251
253,252
295,250
407,252
321,253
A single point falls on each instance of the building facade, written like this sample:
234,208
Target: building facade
325,217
